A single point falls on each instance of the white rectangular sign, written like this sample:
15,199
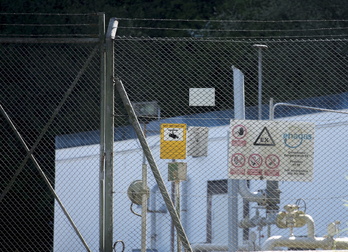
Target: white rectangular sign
271,150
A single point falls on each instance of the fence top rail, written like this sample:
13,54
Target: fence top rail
49,40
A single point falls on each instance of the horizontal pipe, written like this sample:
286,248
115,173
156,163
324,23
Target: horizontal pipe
258,221
297,242
340,243
258,197
209,247
304,107
220,247
305,243
290,242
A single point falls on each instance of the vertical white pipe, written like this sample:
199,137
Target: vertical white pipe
260,81
238,94
232,184
310,226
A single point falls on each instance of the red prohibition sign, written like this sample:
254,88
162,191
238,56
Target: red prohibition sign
238,160
255,160
272,161
239,131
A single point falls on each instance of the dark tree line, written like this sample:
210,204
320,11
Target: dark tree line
208,11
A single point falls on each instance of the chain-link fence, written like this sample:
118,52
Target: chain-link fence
228,164
50,86
183,90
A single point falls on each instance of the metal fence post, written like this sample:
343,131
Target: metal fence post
102,132
109,134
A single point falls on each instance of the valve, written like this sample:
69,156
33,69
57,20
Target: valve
291,218
135,192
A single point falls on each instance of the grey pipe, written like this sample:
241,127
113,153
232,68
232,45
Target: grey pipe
144,209
184,201
272,187
153,217
260,47
258,221
258,197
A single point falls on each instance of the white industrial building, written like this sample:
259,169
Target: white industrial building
77,173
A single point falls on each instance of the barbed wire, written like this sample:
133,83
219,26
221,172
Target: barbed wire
267,33
182,20
51,14
236,39
230,30
234,21
49,35
43,25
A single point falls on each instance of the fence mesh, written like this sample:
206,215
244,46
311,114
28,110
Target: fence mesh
182,89
185,82
44,96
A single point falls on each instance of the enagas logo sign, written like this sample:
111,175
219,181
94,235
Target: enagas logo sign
296,137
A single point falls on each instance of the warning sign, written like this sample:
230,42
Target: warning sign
173,141
265,138
272,161
255,160
271,150
239,131
238,160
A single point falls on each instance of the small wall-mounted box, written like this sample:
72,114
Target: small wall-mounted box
197,143
177,171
